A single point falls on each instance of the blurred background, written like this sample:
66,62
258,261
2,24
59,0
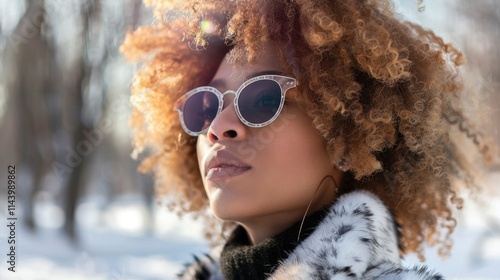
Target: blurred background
84,212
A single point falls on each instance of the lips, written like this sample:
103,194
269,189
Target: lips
222,164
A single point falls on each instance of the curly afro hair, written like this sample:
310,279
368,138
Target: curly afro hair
384,94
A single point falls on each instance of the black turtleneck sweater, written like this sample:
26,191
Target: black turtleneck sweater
241,260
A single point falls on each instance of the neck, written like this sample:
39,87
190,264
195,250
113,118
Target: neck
262,227
265,227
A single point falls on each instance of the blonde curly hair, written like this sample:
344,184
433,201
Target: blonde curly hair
384,94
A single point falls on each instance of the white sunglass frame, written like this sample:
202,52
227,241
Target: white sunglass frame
285,83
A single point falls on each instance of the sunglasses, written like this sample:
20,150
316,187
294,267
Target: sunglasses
258,102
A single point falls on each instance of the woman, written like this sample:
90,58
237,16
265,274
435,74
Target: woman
323,134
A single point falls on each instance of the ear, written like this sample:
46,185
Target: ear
343,165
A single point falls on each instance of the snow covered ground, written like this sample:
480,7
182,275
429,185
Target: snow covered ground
114,244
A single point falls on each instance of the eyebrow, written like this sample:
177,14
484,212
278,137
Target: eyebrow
222,82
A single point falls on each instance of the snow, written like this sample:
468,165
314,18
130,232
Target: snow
110,247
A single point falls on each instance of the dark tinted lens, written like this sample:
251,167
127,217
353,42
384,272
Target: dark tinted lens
200,110
259,101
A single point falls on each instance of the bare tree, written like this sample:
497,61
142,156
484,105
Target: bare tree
27,59
480,42
57,97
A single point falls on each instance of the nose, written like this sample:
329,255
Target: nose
226,124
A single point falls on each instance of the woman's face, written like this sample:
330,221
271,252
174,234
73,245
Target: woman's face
263,177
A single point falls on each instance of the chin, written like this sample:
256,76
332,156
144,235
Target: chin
225,212
227,203
233,212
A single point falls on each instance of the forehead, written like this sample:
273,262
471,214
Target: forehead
266,60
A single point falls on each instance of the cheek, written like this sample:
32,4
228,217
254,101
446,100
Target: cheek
300,151
304,152
202,148
301,137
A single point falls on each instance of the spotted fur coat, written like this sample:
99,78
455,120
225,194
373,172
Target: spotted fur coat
358,239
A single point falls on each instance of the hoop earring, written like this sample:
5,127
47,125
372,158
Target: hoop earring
314,195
